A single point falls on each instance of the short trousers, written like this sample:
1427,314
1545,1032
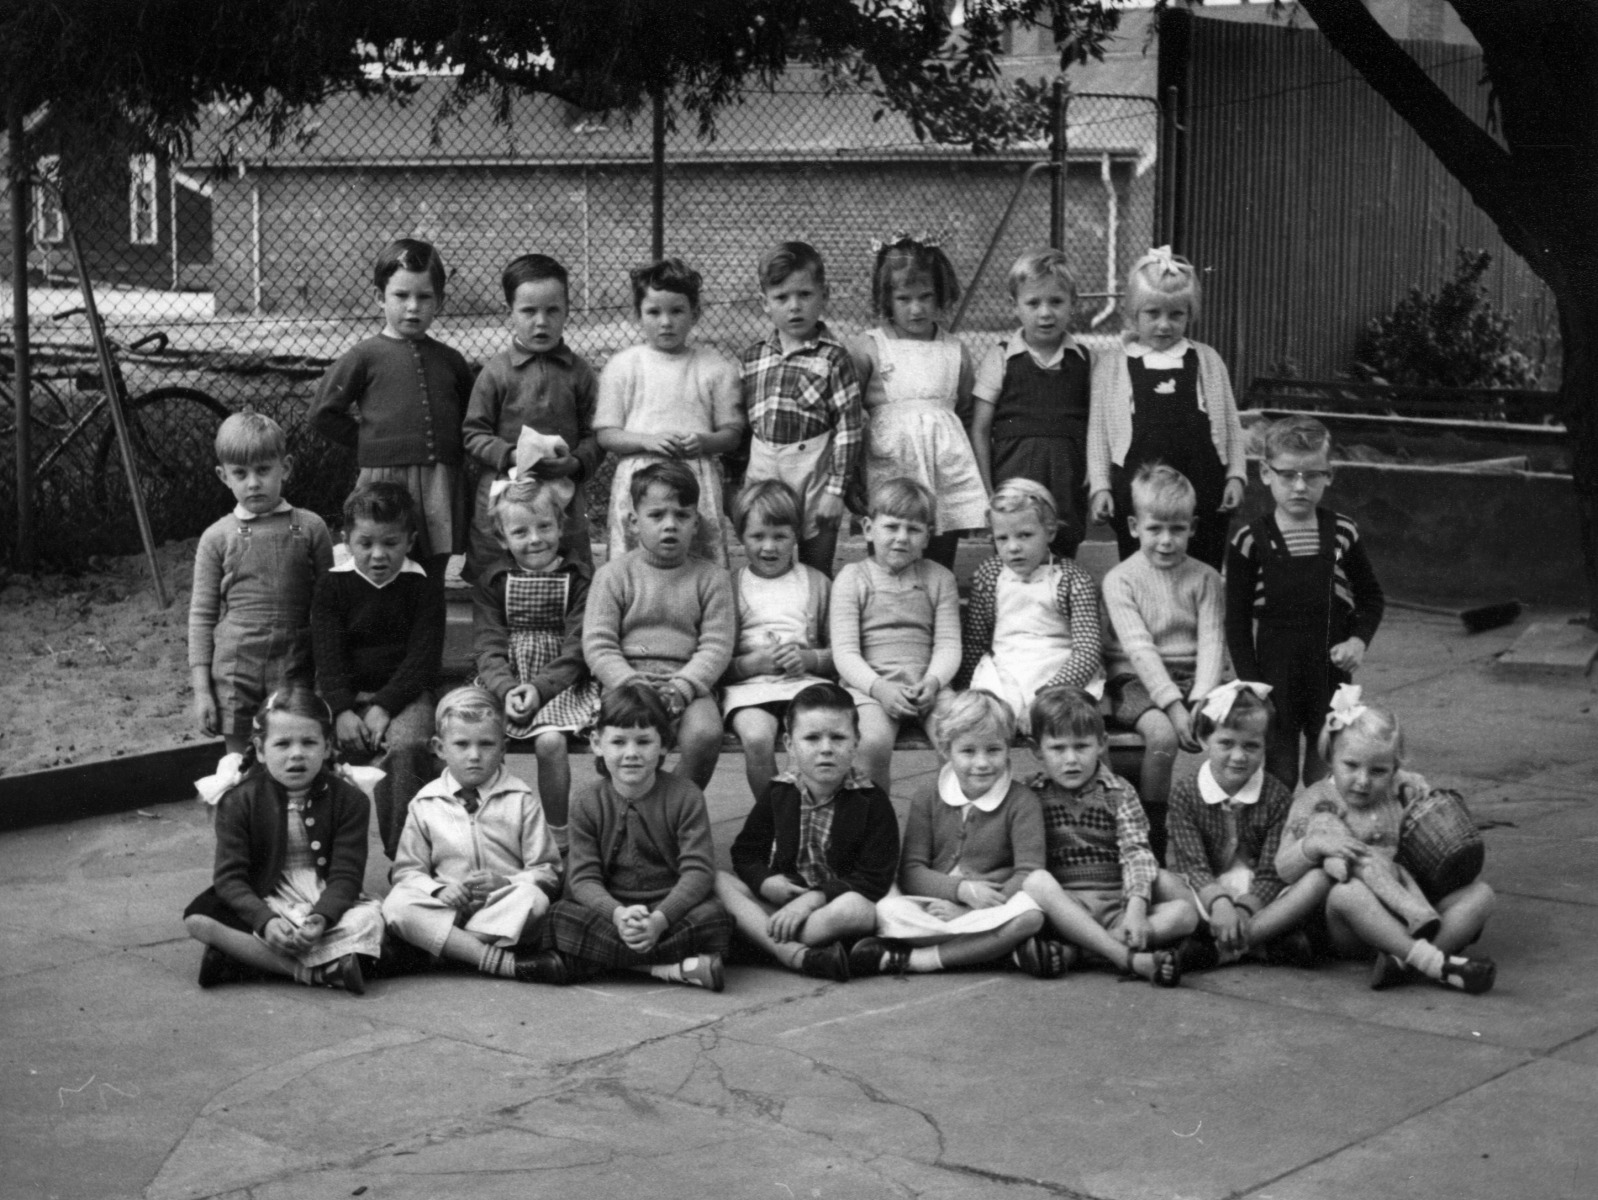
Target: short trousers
1126,699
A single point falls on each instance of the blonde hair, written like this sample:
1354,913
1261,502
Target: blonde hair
962,714
1376,724
1037,265
1019,495
1159,274
249,438
470,705
531,494
903,498
1162,492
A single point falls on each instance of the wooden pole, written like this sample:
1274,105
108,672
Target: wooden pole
657,232
118,405
22,371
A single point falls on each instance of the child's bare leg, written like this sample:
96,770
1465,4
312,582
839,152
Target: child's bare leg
1171,915
1400,897
757,730
1159,760
699,740
1464,914
1292,906
751,914
1075,924
847,917
969,949
554,777
878,732
239,946
1358,921
462,947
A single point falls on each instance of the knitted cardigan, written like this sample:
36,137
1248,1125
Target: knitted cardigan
1077,599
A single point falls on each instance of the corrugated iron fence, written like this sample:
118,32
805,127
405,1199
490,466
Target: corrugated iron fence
259,275
1312,207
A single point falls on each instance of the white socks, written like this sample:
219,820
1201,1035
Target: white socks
924,960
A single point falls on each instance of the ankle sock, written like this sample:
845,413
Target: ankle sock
1427,959
924,960
498,962
306,975
668,972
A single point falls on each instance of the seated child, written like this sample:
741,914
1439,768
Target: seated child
1168,645
818,848
477,868
1226,823
895,623
659,616
254,571
527,634
972,838
285,897
641,874
1367,791
1032,621
377,629
782,625
1103,892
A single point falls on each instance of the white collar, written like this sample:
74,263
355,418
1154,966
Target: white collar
950,792
446,785
1159,360
1016,344
1041,571
410,567
1213,793
243,514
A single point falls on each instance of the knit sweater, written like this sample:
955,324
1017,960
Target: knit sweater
872,637
1165,620
1076,600
945,845
551,393
1098,837
384,640
409,397
683,615
861,853
673,813
491,634
1110,414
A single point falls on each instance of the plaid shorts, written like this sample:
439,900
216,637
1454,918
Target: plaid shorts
587,938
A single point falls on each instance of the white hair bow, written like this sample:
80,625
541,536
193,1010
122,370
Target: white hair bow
1218,704
1346,707
230,769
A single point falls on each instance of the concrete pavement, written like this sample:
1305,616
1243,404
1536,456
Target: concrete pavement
123,1079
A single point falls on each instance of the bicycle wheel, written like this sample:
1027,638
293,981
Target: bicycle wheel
173,432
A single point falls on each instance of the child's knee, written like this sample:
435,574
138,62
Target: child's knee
1159,735
1028,924
1040,885
550,746
201,929
853,910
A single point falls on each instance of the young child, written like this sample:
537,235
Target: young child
527,621
1300,572
895,621
818,848
409,395
377,625
664,618
1031,391
1032,621
971,840
1226,824
803,399
917,387
1163,398
641,872
1103,892
1368,791
254,572
1167,625
539,384
477,868
285,897
782,625
669,399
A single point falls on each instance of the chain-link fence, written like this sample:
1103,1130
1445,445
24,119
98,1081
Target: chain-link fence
260,275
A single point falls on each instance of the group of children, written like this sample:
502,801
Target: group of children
299,663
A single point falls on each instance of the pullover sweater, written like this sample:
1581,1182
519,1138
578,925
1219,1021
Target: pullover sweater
674,819
384,640
680,615
1165,620
550,393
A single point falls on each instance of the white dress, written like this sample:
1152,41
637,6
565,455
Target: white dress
1031,638
359,930
770,612
912,430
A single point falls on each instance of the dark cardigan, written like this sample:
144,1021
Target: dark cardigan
863,851
252,842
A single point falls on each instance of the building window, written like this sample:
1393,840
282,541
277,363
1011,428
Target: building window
49,222
141,200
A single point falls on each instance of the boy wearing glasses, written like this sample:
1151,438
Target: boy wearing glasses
1302,602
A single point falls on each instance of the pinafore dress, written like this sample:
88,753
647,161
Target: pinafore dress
535,618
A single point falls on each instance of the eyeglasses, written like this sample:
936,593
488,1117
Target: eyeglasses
1294,478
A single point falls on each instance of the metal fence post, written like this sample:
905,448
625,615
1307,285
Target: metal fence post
22,372
1059,146
657,231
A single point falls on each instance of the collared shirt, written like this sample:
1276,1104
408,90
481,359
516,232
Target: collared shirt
952,794
1211,792
552,391
410,567
1160,360
795,395
990,371
815,824
1094,830
243,514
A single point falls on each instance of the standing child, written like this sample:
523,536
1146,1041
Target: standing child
1366,794
641,873
782,626
1031,414
1032,621
477,868
1167,622
1226,824
1103,892
803,399
409,395
528,636
1301,573
663,618
818,848
895,623
1162,398
290,857
254,572
668,399
377,625
972,839
917,385
538,384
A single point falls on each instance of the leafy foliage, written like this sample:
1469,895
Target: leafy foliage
1449,338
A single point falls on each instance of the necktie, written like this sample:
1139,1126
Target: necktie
468,797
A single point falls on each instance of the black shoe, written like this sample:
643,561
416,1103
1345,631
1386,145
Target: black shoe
827,962
216,967
1470,975
1290,950
1195,953
542,966
874,956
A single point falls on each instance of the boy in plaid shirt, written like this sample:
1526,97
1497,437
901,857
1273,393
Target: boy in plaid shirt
803,399
1103,893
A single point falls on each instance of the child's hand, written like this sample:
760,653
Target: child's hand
1135,925
923,693
978,893
457,895
758,662
672,697
206,714
690,445
946,910
556,468
788,921
1334,844
280,935
1229,924
376,720
1103,506
663,444
1233,495
789,658
310,930
779,889
1336,867
829,509
350,731
521,702
1182,722
1346,656
485,884
895,700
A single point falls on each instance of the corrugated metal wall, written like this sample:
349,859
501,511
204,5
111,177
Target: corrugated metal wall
1311,207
